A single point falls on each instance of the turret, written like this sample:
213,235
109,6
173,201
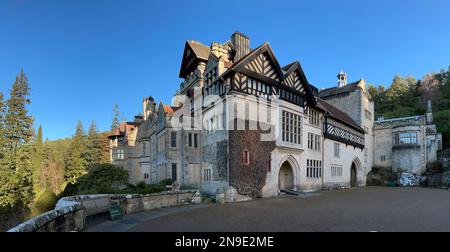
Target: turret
342,79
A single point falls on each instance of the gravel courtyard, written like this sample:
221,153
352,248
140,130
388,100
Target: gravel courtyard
359,209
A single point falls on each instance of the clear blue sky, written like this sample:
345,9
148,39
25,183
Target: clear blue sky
84,56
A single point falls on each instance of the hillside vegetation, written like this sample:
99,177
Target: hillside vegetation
407,96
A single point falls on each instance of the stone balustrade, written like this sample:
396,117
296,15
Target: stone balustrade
70,212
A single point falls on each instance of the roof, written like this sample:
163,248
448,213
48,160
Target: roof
170,110
201,51
333,91
380,120
338,114
123,128
286,68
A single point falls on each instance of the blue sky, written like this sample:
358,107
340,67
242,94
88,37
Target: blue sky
84,56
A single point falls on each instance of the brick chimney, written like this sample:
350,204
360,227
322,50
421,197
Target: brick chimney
241,44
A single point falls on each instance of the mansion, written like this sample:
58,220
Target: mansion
243,125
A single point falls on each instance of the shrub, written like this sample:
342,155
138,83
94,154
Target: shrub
69,190
143,188
45,202
102,178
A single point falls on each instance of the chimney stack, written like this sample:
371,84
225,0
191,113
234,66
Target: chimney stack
429,112
148,106
241,44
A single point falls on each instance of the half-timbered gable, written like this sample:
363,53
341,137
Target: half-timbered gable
295,79
340,127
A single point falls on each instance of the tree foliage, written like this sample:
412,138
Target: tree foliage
116,118
15,164
407,96
93,145
76,163
103,178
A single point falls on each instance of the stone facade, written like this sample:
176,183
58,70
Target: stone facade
241,126
406,144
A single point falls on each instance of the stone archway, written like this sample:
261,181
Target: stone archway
286,177
353,175
354,168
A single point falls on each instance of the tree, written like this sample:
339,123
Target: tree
38,179
373,92
103,178
93,144
76,163
2,125
18,124
15,167
116,121
105,148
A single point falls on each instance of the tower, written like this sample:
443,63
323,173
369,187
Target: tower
342,79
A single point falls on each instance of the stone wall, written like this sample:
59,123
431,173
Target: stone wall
67,216
70,212
249,179
139,203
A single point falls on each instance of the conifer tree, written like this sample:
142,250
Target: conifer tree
18,124
93,144
76,163
16,167
115,121
38,179
2,125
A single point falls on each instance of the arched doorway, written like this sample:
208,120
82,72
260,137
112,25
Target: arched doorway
286,177
353,175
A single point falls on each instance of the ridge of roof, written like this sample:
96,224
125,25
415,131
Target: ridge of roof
350,87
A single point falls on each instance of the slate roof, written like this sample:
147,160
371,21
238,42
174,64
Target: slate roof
123,128
201,51
338,114
334,91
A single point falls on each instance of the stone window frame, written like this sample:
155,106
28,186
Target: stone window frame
406,137
245,157
336,171
118,153
291,127
336,150
313,169
189,136
144,148
195,140
207,175
173,139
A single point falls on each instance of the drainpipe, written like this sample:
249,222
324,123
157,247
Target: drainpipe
323,146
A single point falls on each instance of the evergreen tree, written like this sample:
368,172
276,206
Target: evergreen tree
2,125
105,155
18,124
93,144
76,163
38,178
16,167
115,121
